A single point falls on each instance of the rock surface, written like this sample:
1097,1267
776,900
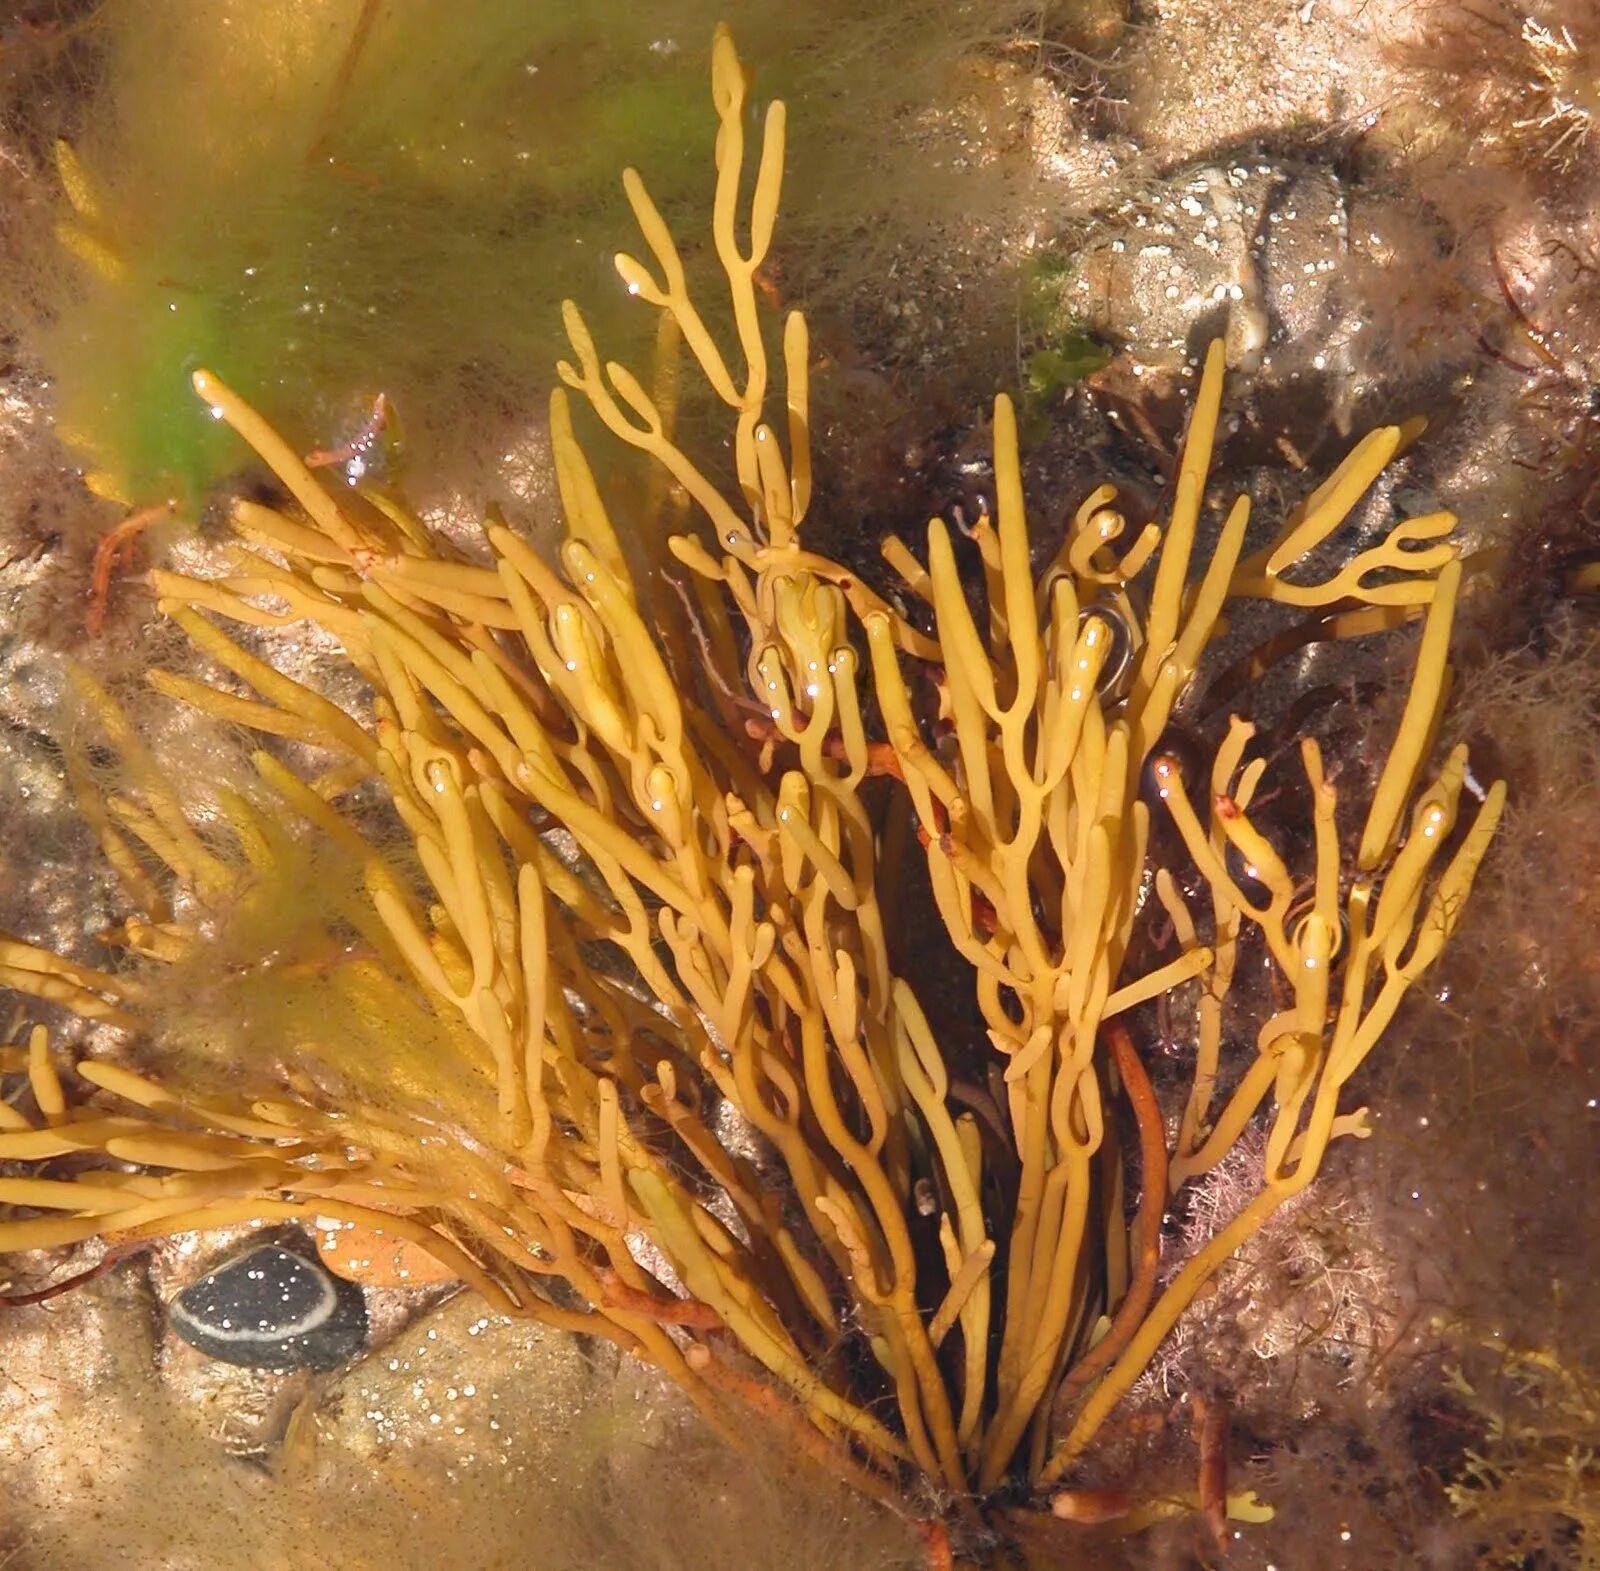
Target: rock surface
272,1309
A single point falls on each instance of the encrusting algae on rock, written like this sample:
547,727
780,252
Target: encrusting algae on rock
577,896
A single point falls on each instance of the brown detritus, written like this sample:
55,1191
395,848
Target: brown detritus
1211,1435
936,1540
114,1256
1090,1507
1535,336
113,552
616,1294
882,760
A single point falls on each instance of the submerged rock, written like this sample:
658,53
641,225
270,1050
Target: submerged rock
1249,248
272,1309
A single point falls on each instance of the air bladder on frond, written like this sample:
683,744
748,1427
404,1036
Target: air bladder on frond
622,913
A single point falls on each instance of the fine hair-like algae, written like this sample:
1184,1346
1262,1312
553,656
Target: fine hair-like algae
328,202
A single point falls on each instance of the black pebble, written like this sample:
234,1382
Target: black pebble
272,1309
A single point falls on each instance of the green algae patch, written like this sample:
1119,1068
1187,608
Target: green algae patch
336,201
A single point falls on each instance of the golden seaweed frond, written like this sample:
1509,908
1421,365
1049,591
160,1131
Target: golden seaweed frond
631,914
